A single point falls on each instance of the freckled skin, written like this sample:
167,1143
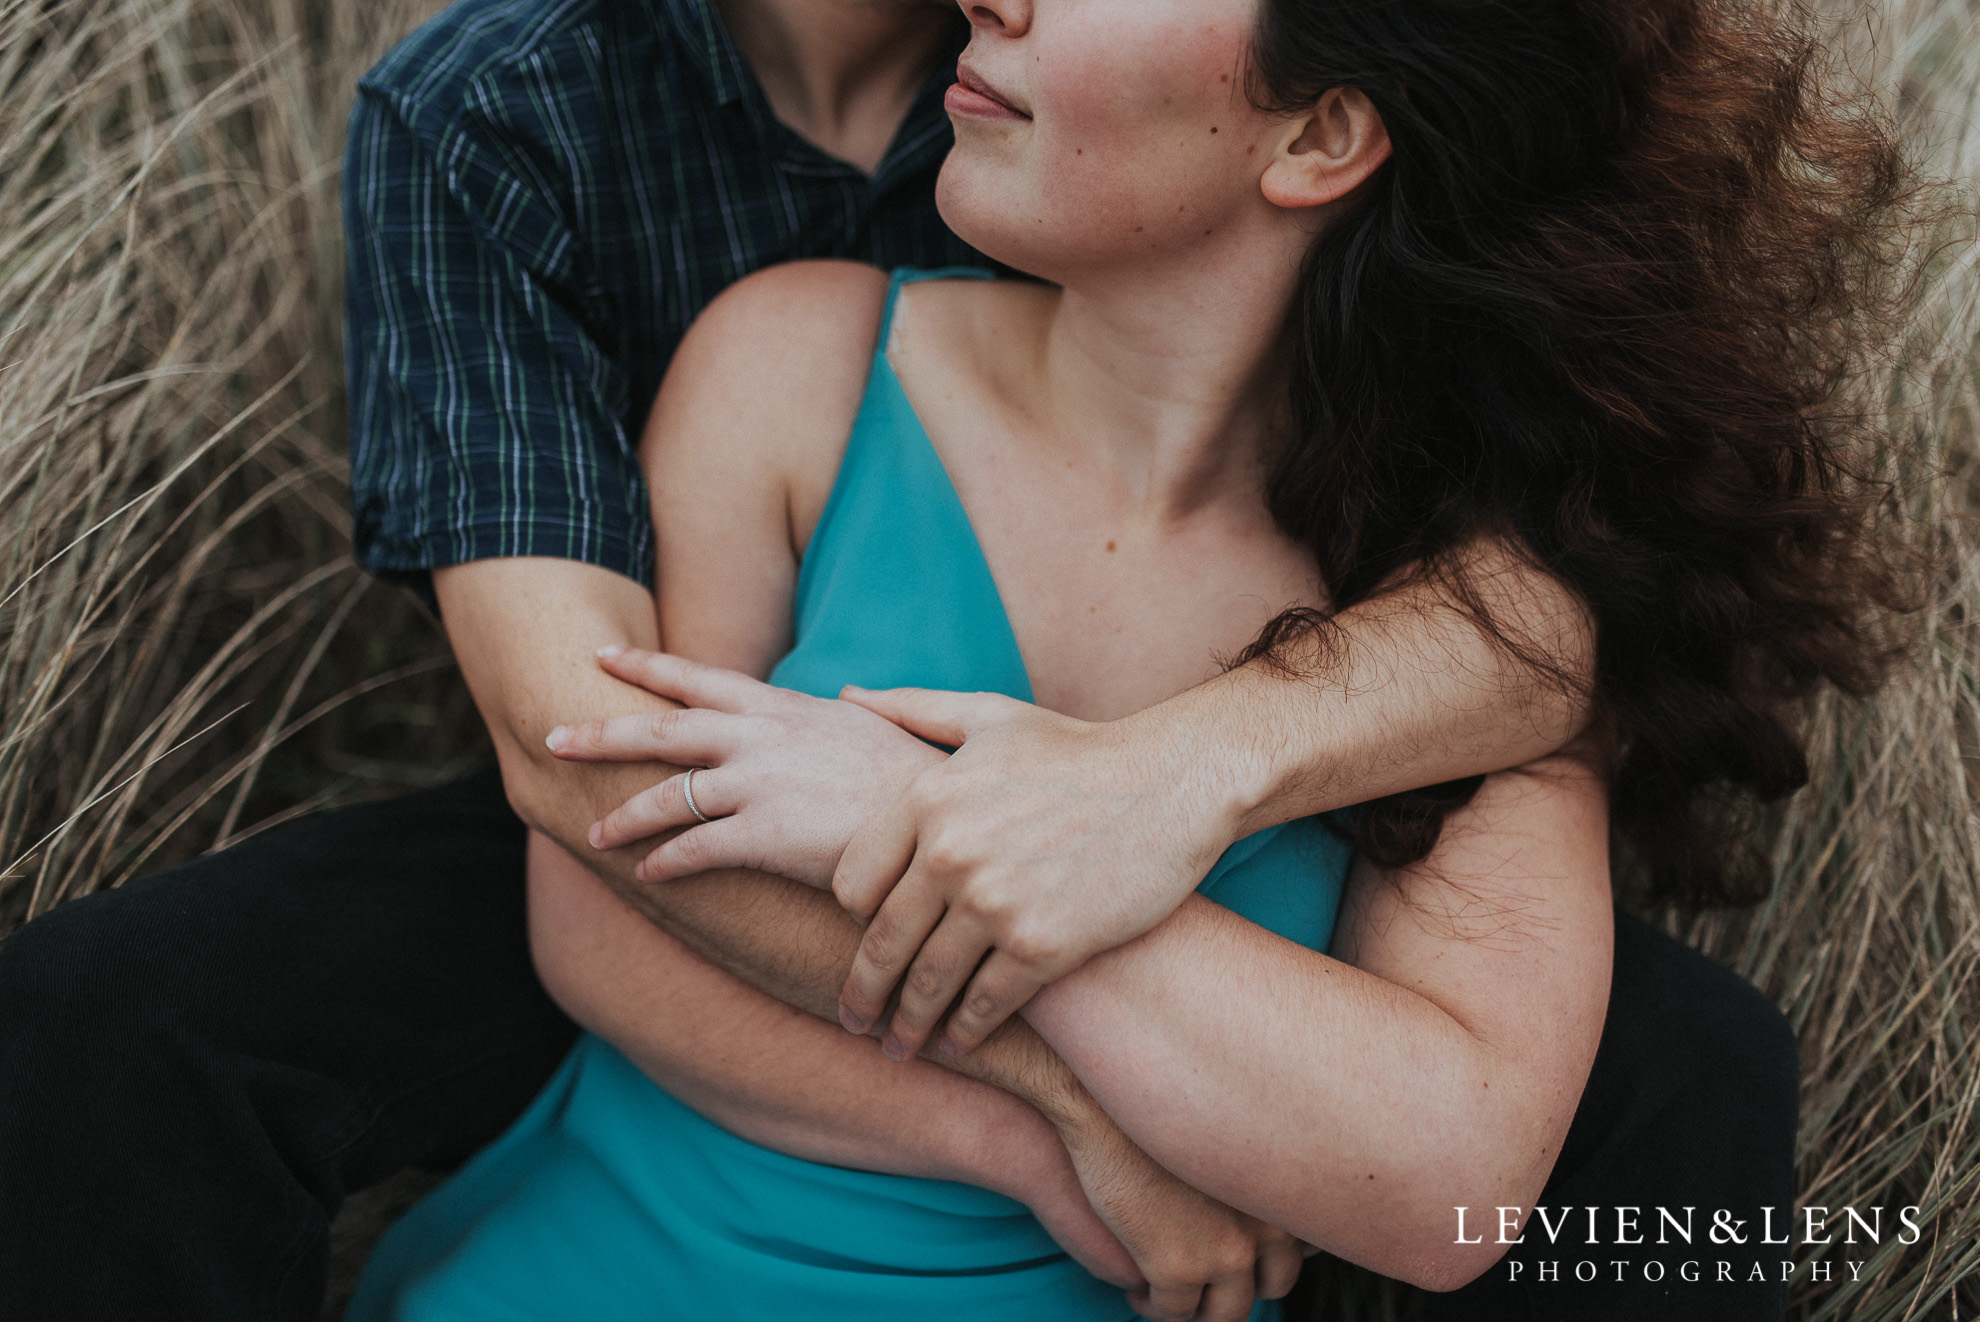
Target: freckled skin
1131,102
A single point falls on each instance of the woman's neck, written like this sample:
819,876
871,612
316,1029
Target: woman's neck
840,73
1172,376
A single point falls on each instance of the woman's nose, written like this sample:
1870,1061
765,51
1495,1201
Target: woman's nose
1010,18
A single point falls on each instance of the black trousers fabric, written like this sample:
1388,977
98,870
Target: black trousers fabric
196,1069
1690,1108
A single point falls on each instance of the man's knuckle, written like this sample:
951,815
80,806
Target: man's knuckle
926,982
878,951
982,1003
987,896
942,851
936,789
1032,944
1237,1264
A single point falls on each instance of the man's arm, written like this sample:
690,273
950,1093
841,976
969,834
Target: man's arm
526,632
1046,840
1424,698
790,941
786,1080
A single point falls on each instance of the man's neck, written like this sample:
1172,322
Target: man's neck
841,73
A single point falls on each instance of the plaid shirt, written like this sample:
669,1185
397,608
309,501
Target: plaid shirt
538,198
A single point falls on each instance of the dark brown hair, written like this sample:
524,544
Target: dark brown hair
1602,303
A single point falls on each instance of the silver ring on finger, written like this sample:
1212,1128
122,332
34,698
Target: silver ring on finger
687,792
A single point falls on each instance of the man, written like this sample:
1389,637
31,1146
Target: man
539,199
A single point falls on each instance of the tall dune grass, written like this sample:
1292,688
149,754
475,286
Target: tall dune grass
1871,939
186,648
188,653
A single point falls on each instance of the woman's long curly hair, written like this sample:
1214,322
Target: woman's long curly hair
1602,304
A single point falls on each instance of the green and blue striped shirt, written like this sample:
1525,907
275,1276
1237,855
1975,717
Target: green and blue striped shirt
539,197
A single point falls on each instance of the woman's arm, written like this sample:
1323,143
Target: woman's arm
1441,1051
792,1082
786,1080
770,1073
1358,1100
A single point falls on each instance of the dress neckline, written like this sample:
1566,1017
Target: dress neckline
887,379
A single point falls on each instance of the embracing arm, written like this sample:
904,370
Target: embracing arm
526,631
786,1080
1046,839
1435,1063
1356,1101
1401,691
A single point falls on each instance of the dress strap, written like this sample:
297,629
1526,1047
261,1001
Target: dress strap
902,276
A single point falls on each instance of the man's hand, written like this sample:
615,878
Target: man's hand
787,778
1046,840
1041,842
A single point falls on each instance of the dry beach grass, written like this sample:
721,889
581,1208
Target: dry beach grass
188,653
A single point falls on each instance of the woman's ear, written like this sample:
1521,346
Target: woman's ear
1327,152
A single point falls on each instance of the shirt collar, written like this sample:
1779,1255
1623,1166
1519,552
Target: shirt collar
708,48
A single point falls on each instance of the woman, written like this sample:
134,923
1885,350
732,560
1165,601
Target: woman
1275,368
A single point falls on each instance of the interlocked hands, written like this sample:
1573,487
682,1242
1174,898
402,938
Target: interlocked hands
1039,842
982,876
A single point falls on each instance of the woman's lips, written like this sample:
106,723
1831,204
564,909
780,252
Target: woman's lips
970,95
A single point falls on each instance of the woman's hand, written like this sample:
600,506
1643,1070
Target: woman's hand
1198,1258
1042,841
785,778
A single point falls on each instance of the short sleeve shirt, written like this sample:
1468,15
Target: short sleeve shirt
538,199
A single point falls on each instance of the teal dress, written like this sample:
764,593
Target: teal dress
610,1200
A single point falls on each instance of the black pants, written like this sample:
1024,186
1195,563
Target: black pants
194,1071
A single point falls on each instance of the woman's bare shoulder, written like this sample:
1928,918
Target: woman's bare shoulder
763,391
809,314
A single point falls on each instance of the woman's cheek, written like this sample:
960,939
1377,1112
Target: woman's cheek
1131,151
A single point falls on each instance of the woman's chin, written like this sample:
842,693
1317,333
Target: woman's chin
983,216
1029,226
1014,232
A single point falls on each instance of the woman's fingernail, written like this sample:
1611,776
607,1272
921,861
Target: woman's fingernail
596,835
853,1023
557,738
948,1045
892,1048
610,650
